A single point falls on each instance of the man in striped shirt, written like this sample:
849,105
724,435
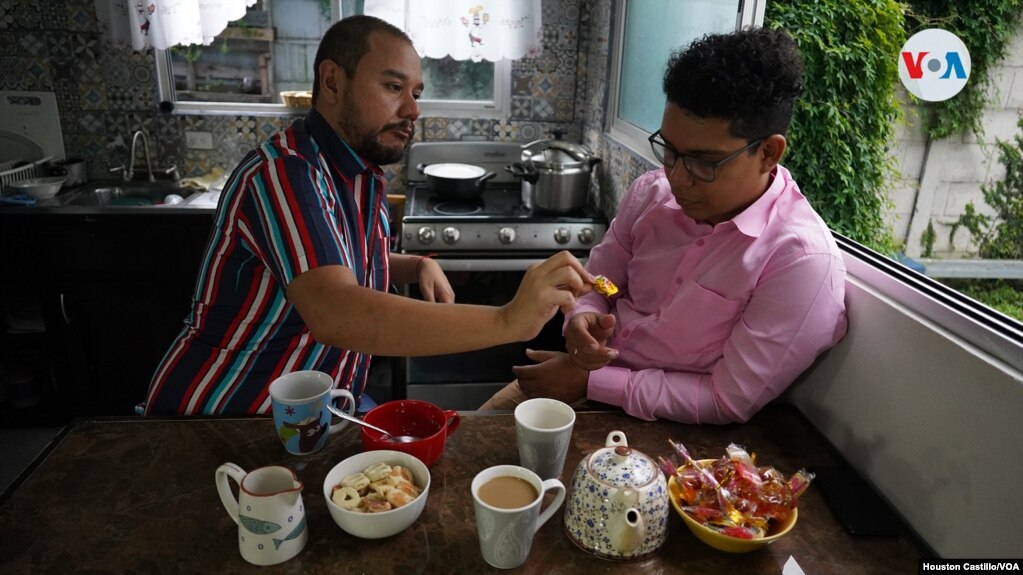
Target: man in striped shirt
296,272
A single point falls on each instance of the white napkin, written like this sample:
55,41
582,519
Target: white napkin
791,567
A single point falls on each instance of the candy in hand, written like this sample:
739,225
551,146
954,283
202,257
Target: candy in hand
604,286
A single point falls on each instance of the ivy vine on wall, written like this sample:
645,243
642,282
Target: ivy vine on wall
986,27
844,123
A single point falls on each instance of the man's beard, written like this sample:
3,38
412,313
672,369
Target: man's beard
369,145
366,142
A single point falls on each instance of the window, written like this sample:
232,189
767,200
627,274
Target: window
272,49
641,54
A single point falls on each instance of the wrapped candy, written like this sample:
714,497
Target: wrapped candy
604,286
731,494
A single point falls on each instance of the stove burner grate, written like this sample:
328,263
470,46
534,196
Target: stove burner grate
457,208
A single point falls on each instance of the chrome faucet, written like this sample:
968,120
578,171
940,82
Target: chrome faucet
130,172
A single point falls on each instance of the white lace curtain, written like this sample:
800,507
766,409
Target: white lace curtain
161,24
466,29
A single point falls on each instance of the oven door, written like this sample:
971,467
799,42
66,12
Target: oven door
463,381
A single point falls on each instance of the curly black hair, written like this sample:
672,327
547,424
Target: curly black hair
347,41
751,78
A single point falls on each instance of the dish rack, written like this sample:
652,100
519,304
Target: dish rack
9,174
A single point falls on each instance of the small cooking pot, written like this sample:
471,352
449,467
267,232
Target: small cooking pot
73,169
555,174
458,182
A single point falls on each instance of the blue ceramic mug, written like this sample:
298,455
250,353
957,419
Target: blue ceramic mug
301,417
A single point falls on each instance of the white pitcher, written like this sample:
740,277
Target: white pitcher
269,512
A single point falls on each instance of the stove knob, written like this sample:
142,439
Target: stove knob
506,235
586,235
426,235
450,235
562,235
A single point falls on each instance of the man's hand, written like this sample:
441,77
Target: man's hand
433,284
556,377
547,286
586,338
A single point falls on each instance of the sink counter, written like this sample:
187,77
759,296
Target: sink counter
117,197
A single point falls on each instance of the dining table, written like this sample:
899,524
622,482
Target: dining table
137,494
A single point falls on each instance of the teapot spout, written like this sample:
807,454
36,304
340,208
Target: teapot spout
626,528
627,531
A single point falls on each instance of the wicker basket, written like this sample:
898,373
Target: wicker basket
293,99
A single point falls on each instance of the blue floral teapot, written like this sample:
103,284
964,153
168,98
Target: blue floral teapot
617,505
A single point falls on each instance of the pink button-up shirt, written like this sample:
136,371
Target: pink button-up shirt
713,322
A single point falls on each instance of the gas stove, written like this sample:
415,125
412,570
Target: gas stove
498,224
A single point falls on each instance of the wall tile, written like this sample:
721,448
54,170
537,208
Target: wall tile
7,16
458,128
506,131
105,91
435,129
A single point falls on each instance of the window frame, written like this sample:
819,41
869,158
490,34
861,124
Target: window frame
633,137
491,109
499,107
982,327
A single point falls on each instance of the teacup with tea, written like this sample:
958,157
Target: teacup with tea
507,500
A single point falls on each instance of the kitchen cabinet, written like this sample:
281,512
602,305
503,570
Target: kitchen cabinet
114,290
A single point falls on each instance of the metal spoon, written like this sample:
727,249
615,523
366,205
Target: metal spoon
395,438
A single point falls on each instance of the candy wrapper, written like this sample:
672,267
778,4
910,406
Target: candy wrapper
732,494
604,286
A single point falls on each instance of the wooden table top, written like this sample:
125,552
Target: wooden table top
138,494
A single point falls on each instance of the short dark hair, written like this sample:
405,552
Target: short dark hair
750,78
347,41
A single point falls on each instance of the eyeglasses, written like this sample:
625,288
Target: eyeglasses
698,168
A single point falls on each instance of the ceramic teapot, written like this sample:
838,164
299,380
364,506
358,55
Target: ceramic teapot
617,505
269,512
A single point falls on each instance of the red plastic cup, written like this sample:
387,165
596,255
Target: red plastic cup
411,417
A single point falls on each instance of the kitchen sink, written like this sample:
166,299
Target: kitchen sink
130,194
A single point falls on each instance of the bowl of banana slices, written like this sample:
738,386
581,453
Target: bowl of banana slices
376,494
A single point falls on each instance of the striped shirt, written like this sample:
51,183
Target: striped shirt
301,200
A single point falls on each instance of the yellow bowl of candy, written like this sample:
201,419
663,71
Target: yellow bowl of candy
719,540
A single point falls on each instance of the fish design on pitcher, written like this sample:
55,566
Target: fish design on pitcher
258,526
294,533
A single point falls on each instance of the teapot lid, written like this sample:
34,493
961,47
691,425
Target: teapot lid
619,465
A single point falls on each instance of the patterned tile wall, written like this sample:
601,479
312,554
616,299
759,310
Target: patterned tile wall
105,92
619,166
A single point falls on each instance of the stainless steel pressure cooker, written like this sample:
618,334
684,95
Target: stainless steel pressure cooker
555,174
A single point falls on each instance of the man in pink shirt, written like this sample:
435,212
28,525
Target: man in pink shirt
730,284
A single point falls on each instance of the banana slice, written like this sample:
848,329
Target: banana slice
345,498
377,471
357,481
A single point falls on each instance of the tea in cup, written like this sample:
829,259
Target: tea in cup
299,400
507,501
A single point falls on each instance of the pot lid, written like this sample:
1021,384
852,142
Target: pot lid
622,466
454,171
556,154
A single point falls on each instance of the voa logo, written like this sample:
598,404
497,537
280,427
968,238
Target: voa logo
934,65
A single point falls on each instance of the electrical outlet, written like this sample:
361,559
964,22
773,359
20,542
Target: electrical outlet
199,140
